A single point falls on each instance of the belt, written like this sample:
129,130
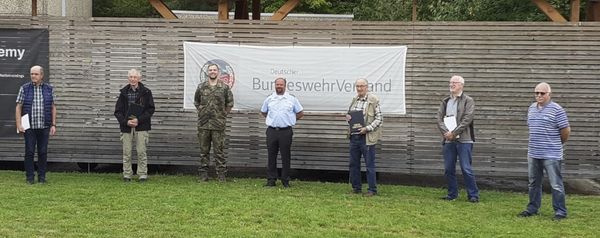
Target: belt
280,128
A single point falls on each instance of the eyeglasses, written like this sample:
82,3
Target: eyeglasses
360,86
540,93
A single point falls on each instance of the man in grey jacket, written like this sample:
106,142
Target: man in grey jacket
455,121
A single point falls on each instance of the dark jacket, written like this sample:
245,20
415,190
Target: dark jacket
145,99
465,116
47,95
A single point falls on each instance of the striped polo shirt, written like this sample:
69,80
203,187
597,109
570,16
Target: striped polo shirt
544,131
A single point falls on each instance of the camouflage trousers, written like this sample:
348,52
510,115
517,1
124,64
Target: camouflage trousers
216,138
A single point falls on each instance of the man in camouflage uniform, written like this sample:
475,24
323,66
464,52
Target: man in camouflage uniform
213,100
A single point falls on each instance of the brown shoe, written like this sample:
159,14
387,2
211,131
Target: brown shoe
370,194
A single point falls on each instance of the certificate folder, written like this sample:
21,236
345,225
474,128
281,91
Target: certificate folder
135,110
356,122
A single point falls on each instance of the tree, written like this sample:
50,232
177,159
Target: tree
363,10
123,8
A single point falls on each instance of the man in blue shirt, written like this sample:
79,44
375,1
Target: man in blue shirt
548,130
36,99
281,111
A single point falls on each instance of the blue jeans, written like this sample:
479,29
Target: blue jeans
461,151
536,175
36,138
358,148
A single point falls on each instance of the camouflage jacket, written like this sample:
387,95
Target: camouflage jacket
212,103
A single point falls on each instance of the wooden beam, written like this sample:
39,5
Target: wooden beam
593,10
223,10
241,9
162,9
256,10
33,8
414,10
575,5
549,11
285,10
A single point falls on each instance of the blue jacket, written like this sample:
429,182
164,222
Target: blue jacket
28,91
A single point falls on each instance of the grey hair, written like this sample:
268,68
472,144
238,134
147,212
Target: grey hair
134,72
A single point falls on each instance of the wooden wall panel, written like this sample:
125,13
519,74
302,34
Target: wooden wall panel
500,61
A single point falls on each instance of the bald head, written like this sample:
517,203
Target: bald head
37,74
543,87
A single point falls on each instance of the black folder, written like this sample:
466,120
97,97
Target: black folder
357,121
135,110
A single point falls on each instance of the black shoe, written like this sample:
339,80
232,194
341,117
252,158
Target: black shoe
473,200
285,183
370,194
203,177
355,192
30,181
126,180
143,180
526,214
270,183
448,198
558,217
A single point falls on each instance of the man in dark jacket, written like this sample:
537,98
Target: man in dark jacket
134,110
455,122
36,100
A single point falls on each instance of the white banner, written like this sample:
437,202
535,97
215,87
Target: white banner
322,78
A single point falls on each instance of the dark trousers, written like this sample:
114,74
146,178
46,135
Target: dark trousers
358,149
279,141
36,138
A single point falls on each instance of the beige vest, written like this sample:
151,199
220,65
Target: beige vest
372,136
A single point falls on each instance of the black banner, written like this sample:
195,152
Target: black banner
20,49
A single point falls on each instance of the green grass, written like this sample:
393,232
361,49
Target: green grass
101,205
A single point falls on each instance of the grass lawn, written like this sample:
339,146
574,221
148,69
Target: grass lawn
101,205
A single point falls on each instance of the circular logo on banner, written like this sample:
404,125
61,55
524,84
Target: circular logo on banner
226,72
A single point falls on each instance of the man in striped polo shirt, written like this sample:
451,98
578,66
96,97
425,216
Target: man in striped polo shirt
548,130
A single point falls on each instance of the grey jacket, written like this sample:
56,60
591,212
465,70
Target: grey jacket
465,115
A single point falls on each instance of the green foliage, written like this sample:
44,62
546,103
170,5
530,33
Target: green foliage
482,10
123,8
363,10
383,10
193,5
101,205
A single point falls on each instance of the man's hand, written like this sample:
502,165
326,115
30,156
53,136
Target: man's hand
52,130
132,123
449,136
363,130
348,117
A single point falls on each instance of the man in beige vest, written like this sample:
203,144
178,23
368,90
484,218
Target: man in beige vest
363,134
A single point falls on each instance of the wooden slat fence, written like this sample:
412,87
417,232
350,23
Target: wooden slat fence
501,62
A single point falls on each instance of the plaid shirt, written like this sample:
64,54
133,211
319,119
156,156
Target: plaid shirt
37,106
361,105
132,94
